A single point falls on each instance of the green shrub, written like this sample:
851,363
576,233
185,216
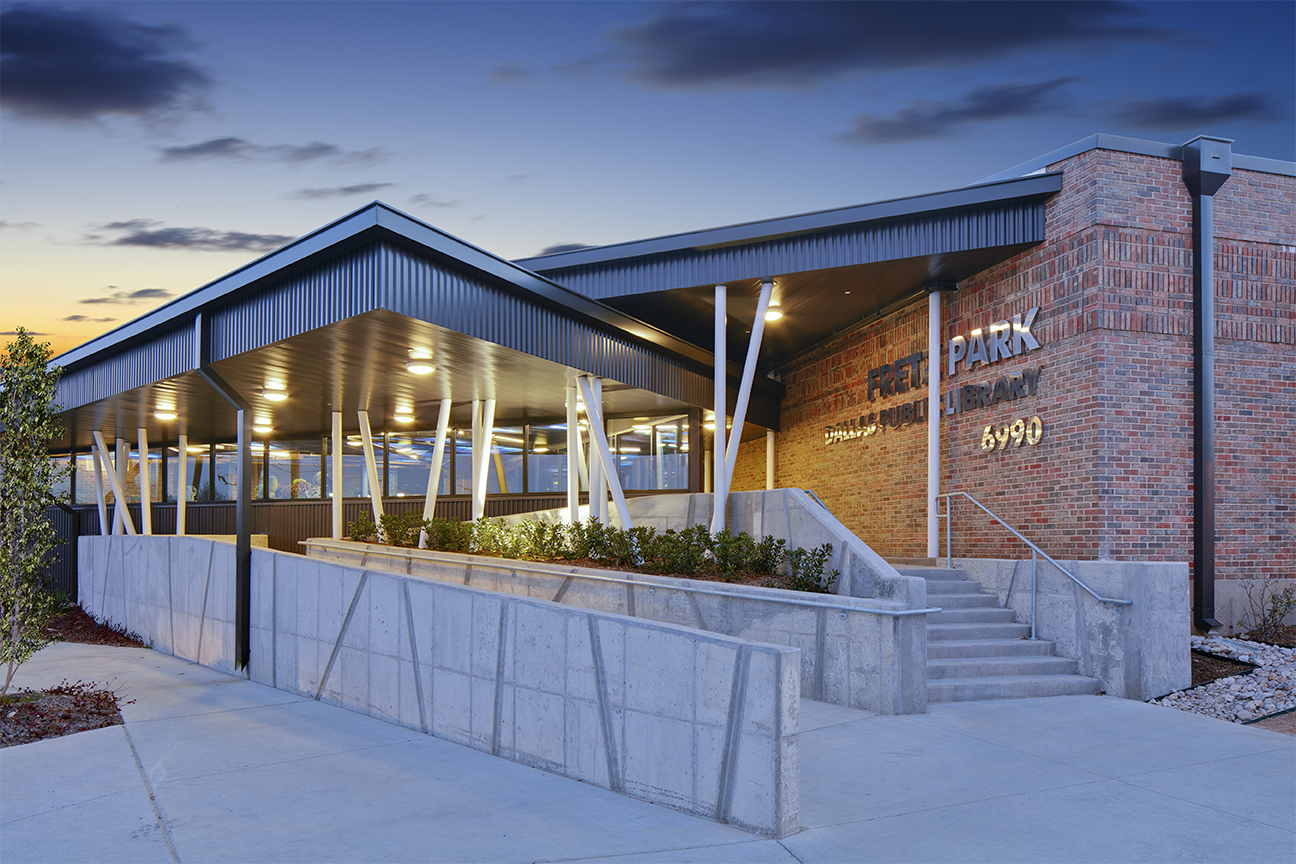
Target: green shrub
363,530
447,535
806,570
402,530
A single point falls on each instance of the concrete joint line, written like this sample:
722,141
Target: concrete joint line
148,787
563,589
103,585
274,621
733,733
498,717
605,709
787,520
821,651
630,600
346,622
691,510
202,617
697,610
467,574
418,674
170,603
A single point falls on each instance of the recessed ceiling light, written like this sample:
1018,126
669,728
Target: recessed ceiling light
773,313
641,419
420,366
274,394
710,426
402,417
165,414
262,428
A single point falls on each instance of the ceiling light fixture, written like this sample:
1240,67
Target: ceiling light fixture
262,428
420,366
403,417
274,392
165,414
773,313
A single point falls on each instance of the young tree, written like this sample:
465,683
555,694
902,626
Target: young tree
29,420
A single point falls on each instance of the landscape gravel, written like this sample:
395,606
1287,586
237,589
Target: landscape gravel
1238,698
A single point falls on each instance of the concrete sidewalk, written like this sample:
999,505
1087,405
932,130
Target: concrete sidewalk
214,768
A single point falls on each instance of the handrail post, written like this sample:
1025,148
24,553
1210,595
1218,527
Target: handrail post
1034,559
949,532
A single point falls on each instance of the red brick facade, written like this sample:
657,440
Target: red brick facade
1112,475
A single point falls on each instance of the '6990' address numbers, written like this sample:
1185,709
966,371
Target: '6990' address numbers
1022,429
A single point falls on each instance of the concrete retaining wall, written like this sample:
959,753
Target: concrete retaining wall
700,722
788,514
849,655
1138,652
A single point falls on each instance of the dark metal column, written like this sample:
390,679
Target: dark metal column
1207,164
243,504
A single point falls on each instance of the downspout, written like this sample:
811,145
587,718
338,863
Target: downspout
934,413
243,505
1207,165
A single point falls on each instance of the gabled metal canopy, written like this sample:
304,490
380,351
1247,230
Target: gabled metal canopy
833,269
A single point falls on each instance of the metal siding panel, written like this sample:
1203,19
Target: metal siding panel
147,363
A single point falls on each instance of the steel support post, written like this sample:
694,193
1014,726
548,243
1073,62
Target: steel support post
146,490
434,470
599,443
121,515
769,459
718,488
104,527
335,474
573,459
933,420
371,469
182,484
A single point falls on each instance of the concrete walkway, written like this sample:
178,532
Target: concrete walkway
214,768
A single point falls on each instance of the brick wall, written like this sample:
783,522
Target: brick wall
1112,475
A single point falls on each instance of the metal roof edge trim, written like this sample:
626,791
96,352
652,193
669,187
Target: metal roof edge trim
1015,188
381,216
1138,146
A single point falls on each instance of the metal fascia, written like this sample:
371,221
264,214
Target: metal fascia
1011,189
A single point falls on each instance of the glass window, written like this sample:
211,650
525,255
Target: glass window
197,483
650,452
463,461
547,459
295,469
62,488
152,473
355,476
505,472
409,460
85,479
225,473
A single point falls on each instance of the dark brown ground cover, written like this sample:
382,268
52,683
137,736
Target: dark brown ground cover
32,715
1208,667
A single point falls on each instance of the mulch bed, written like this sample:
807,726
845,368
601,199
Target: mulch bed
1286,637
33,715
1208,667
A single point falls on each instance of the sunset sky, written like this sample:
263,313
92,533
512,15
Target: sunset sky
147,148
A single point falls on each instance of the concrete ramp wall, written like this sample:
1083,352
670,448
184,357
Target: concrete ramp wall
862,653
696,721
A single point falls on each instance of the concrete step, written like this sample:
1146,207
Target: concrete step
932,573
998,667
939,632
962,601
1017,687
990,615
965,586
973,648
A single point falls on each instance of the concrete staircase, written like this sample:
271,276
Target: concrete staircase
977,651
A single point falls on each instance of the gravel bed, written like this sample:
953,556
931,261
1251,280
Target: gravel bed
1238,698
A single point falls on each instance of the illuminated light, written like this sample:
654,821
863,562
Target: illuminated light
403,418
195,449
400,494
540,450
420,366
642,419
773,313
262,428
710,426
164,414
642,428
274,393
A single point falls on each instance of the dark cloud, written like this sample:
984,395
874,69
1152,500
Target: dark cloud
923,120
1196,113
429,201
6,225
88,319
340,191
60,63
509,73
117,297
240,149
28,332
143,232
564,247
755,43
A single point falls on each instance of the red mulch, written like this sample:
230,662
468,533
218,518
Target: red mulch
33,715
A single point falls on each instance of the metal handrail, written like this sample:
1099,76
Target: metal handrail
513,564
1035,551
810,492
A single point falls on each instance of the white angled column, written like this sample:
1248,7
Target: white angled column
434,470
146,491
599,444
121,514
182,484
121,508
573,457
104,528
745,388
721,409
481,457
335,474
371,468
